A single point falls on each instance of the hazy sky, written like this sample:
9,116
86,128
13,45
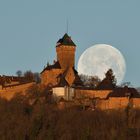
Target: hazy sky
29,30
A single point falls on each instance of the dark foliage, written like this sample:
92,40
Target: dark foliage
109,82
29,76
90,81
36,117
19,73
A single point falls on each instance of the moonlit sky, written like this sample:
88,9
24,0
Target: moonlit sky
98,59
29,30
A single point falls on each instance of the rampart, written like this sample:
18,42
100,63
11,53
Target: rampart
102,94
103,101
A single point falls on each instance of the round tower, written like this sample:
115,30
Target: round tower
65,49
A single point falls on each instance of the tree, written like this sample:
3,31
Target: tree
94,81
109,82
110,77
90,81
29,76
37,77
128,84
19,73
48,64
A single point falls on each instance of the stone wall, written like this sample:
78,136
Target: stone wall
49,77
102,94
66,56
135,102
118,102
9,93
104,103
113,103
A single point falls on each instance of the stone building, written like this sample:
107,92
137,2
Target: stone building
117,98
62,72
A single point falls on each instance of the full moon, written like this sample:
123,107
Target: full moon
98,59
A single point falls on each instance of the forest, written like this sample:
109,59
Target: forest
36,116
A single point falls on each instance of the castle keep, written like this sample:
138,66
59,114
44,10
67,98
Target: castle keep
62,72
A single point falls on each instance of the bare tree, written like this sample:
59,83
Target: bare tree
37,77
128,84
29,76
19,73
90,81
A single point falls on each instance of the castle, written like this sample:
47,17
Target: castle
65,83
62,72
67,88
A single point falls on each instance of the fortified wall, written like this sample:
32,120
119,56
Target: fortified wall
113,103
118,103
111,99
49,76
100,99
92,93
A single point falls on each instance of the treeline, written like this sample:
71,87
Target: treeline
37,117
27,76
109,81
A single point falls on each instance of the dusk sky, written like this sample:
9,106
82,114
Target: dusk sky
29,30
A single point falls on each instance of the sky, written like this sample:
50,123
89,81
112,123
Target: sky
29,30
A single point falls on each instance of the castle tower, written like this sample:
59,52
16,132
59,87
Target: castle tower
65,49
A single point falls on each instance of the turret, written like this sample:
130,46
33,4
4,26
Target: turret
65,49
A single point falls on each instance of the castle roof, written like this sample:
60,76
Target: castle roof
62,81
56,65
77,81
124,92
65,40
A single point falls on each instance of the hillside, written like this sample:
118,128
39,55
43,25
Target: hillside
22,120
